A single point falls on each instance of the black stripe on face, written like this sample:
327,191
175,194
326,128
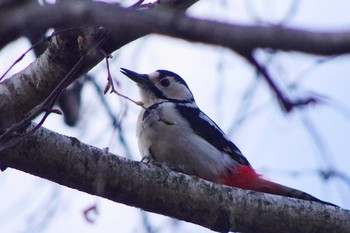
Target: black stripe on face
159,94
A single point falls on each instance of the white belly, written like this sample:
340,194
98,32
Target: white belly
168,139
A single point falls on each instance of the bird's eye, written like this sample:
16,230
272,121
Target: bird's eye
165,82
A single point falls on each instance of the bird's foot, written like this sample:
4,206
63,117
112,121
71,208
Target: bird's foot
149,159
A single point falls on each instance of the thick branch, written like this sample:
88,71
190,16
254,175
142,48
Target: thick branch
44,79
69,162
124,26
31,86
236,37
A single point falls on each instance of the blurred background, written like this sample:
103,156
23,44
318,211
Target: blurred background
307,149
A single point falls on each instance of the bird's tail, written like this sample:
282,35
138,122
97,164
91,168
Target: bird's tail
245,177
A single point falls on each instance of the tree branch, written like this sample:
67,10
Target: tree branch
71,53
69,162
236,37
36,89
286,103
58,60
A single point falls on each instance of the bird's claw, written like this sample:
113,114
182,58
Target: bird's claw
149,159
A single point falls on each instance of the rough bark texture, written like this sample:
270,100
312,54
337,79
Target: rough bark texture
67,161
31,86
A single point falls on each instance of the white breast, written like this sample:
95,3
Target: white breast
165,135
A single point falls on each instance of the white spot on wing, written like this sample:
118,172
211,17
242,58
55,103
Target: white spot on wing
212,123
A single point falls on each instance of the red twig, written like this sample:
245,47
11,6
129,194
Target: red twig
14,135
23,55
110,85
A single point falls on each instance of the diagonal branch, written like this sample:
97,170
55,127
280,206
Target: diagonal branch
69,162
13,134
242,39
286,103
41,80
138,24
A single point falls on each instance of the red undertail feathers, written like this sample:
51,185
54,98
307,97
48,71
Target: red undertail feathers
245,177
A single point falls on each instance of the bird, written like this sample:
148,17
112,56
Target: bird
172,130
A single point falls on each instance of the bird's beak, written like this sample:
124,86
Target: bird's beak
142,79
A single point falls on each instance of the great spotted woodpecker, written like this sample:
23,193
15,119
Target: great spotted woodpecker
171,129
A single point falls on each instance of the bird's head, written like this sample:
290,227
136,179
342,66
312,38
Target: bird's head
159,86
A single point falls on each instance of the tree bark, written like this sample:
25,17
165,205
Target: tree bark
128,24
69,162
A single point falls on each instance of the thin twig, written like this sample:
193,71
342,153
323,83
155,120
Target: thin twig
8,138
23,55
287,104
110,85
320,142
137,4
48,38
116,123
43,107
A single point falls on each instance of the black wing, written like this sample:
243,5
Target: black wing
207,129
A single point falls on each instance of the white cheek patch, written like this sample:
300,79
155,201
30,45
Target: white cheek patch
181,90
177,93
